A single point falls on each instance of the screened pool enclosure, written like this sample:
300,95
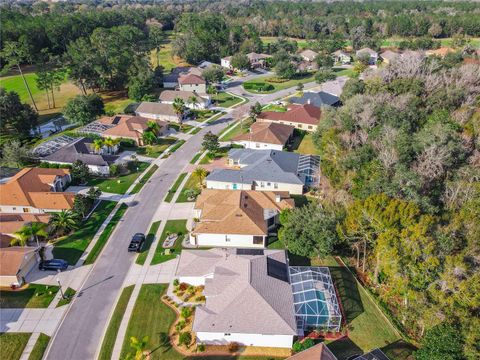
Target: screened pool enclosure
314,298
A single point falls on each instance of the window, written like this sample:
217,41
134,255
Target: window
26,210
227,334
310,126
275,185
258,240
271,221
257,145
262,184
300,126
227,239
269,184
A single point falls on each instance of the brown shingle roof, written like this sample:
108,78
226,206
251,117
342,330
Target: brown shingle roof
317,352
11,258
237,211
33,187
304,114
171,95
10,223
155,108
267,132
128,126
191,79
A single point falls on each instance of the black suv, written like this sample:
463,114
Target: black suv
137,242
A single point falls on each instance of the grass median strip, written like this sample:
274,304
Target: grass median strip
148,242
114,325
102,240
13,344
40,347
69,294
175,187
195,158
144,179
178,227
174,148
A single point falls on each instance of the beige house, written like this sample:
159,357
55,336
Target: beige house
157,111
308,55
15,264
192,82
265,135
169,96
301,116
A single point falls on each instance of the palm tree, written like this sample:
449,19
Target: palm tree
34,229
153,126
140,347
193,101
98,145
179,108
63,222
200,173
110,144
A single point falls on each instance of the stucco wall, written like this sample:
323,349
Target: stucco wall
295,189
199,88
306,127
280,341
171,118
19,209
221,240
258,145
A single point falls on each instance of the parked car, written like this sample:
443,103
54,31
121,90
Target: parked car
53,264
136,244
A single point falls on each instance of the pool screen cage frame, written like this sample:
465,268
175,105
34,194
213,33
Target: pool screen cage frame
306,283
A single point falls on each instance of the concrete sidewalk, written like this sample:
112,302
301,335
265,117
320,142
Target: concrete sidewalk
31,320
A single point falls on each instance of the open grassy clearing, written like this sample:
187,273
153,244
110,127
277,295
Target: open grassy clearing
148,243
71,247
114,325
303,144
13,344
102,240
40,347
174,188
157,149
178,227
345,72
192,183
119,184
301,43
33,296
226,100
165,57
277,86
144,179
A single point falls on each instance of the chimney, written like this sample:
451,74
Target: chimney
278,198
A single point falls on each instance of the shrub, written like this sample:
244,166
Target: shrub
307,343
186,312
200,298
113,169
185,338
233,347
201,347
176,282
183,286
297,346
180,325
191,289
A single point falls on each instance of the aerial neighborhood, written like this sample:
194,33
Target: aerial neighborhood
224,180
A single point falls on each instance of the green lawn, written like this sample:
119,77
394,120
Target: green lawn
345,72
184,129
242,128
192,183
172,226
119,184
301,43
220,153
148,242
40,347
196,157
102,240
277,86
165,57
112,329
306,145
144,179
274,107
202,115
152,318
174,148
72,246
174,187
216,117
226,100
225,130
34,296
69,294
196,131
12,345
156,150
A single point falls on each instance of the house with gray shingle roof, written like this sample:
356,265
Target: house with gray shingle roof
266,170
318,99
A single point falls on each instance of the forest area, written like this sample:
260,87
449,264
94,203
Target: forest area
400,160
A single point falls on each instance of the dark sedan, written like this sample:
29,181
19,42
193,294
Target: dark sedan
54,264
136,244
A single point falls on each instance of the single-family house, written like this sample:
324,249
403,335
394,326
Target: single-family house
169,96
10,223
266,170
308,55
341,57
192,82
82,149
265,135
256,60
16,262
372,55
316,352
303,117
157,111
388,56
170,81
226,62
125,127
317,99
206,65
36,190
237,218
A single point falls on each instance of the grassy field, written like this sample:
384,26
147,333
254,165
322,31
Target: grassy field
277,86
102,240
156,150
192,183
144,179
118,184
174,188
40,347
220,153
174,148
13,344
34,296
241,128
72,246
69,294
178,227
345,72
301,43
226,100
305,145
148,243
112,330
274,107
165,57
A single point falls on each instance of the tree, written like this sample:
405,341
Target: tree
324,61
309,230
210,142
16,53
139,346
352,87
18,120
80,172
81,205
84,109
98,145
156,38
443,341
200,173
149,137
179,108
213,74
185,338
29,231
94,193
240,61
14,154
285,69
111,144
63,222
192,100
255,110
323,75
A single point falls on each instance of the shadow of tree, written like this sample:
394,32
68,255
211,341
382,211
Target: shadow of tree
399,350
348,291
344,348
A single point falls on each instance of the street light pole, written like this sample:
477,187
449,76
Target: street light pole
60,285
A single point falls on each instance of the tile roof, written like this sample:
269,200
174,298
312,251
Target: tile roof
319,99
128,126
260,165
82,150
12,222
317,352
267,132
33,187
238,211
246,293
171,95
302,114
11,258
191,78
155,108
